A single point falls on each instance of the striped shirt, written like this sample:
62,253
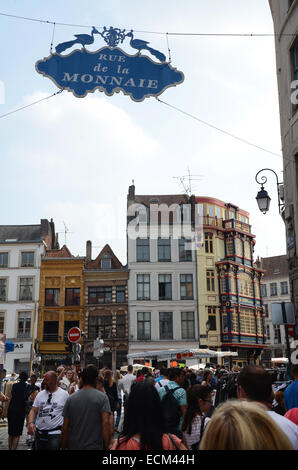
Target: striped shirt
194,436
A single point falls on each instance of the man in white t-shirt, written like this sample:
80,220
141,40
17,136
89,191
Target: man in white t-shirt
255,384
48,406
126,381
162,380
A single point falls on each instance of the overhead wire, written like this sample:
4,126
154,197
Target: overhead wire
173,33
30,104
219,129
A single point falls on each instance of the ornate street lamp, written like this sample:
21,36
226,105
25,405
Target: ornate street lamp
263,198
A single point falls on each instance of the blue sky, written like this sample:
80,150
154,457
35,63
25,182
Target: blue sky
73,159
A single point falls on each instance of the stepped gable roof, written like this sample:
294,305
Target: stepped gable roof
20,233
96,264
59,253
275,266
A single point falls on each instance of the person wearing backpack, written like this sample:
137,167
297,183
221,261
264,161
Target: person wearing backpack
144,427
195,419
173,400
162,380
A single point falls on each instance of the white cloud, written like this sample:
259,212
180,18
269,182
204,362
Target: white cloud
81,143
99,222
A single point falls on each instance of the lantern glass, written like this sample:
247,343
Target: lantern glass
263,200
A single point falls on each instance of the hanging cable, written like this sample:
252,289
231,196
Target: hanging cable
152,32
51,48
31,104
169,51
220,130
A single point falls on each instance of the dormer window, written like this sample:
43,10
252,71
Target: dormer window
106,261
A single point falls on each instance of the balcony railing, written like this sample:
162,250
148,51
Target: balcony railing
230,223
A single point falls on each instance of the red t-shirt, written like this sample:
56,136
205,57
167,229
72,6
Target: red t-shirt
134,444
140,379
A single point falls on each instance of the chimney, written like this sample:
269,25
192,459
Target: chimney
131,191
88,250
56,243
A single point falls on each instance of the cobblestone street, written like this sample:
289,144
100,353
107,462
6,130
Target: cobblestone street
4,438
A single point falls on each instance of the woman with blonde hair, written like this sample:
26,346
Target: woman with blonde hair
68,380
243,425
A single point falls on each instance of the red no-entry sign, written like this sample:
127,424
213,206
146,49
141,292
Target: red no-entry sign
290,330
74,334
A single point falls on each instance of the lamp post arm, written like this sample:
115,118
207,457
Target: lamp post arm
264,177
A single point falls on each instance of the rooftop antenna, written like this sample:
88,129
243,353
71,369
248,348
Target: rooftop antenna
186,180
66,231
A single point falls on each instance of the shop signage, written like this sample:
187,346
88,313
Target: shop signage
110,69
53,357
184,355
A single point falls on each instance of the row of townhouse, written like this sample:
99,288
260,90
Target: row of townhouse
45,291
190,281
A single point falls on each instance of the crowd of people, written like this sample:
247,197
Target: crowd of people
167,409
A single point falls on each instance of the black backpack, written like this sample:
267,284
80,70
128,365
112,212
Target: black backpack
171,409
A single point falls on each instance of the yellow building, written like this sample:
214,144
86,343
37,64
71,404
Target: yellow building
61,305
231,315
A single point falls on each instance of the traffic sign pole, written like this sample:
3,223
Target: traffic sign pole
74,335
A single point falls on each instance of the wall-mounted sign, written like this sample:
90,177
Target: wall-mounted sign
184,355
110,69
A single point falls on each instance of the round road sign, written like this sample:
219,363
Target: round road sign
74,334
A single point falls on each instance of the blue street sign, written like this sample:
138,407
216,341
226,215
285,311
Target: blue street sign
9,346
110,69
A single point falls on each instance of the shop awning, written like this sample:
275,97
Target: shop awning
181,354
